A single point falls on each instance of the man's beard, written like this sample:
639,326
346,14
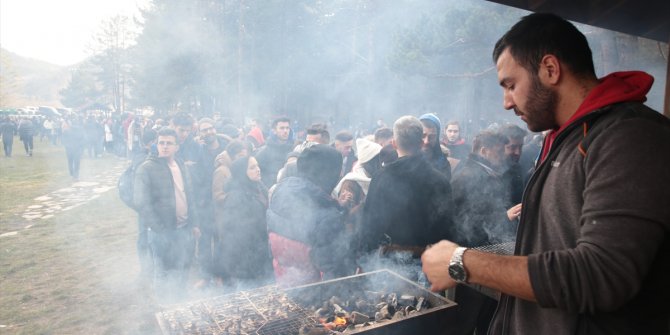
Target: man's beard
209,139
540,107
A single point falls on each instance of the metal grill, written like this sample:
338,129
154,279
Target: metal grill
245,312
270,310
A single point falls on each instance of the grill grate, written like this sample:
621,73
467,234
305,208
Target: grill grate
288,326
271,310
245,312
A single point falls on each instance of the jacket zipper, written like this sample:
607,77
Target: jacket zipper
538,166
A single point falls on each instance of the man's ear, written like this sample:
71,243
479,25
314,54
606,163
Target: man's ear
550,69
395,146
483,152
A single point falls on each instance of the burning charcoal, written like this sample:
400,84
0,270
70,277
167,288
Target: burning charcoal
408,309
339,311
379,316
407,300
358,318
421,303
322,312
398,316
380,305
412,312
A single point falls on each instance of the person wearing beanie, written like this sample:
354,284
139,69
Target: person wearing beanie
430,146
307,236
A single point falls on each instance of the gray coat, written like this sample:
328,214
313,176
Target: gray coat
595,227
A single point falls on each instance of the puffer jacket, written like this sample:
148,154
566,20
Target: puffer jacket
307,234
153,194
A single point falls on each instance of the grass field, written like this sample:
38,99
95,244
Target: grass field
75,272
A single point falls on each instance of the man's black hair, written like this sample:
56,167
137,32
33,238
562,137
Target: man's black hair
344,136
540,34
319,129
280,119
488,139
182,119
236,146
513,131
167,131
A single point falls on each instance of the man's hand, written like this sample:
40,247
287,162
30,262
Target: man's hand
514,212
436,265
345,198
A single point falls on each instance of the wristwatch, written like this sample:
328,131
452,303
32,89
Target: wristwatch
456,269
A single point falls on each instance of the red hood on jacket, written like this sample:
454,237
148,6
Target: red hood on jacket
613,88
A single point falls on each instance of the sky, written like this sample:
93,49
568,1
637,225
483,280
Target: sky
57,31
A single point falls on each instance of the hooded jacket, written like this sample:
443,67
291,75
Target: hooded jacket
595,222
307,235
243,229
436,157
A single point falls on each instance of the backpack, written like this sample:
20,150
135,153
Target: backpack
125,186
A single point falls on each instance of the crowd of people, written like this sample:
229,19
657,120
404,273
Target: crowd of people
247,207
79,133
231,208
251,208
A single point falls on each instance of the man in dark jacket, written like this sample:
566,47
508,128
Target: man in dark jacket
456,144
74,141
409,204
430,147
480,203
344,143
8,130
26,134
514,175
480,197
272,156
212,144
306,225
163,197
593,247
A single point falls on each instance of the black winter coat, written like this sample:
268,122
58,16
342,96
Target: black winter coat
153,194
481,201
271,158
245,252
411,202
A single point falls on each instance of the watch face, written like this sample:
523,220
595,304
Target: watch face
457,272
